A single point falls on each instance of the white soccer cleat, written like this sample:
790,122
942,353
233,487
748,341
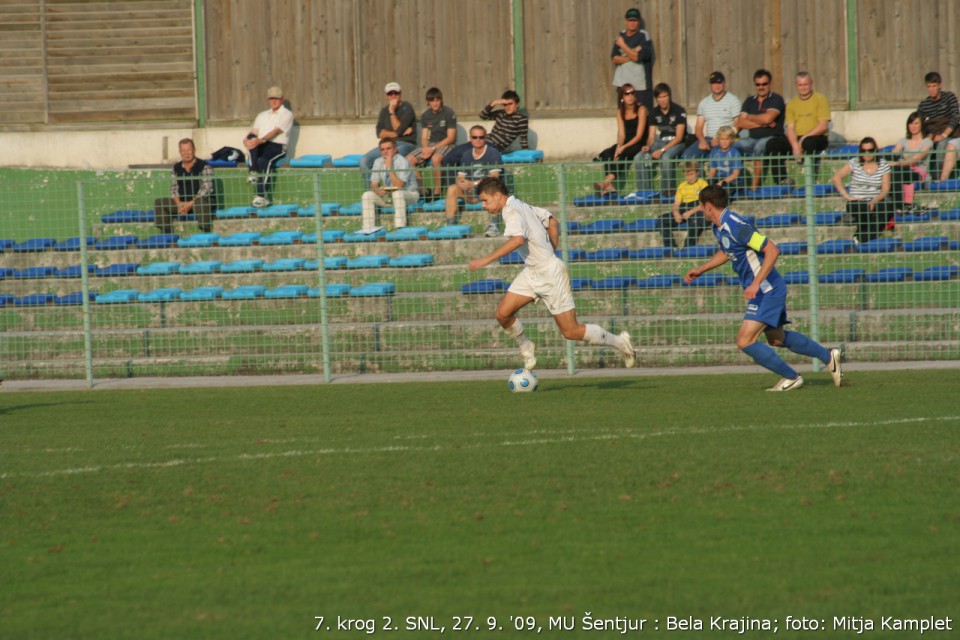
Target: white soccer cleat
252,178
630,355
786,384
834,367
492,230
529,359
260,201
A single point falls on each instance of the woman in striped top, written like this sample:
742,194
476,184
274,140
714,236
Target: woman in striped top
866,195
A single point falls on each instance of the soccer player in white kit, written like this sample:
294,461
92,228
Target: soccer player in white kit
534,233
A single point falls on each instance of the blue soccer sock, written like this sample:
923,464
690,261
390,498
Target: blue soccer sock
799,343
765,356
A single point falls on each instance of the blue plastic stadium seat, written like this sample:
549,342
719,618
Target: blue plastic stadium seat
523,156
792,248
6,244
243,239
946,185
326,208
329,262
602,255
708,280
451,232
333,235
580,283
34,300
650,253
768,193
641,197
880,245
202,267
797,277
488,285
910,218
942,272
158,269
349,160
199,240
376,236
825,218
118,296
513,257
408,233
436,206
660,282
34,245
241,266
594,200
373,289
117,270
7,272
279,211
696,251
369,262
160,241
312,160
116,243
935,243
236,213
843,276
166,294
281,237
950,215
954,245
412,260
473,206
74,299
573,227
33,273
891,274
73,244
127,216
641,225
778,220
819,191
615,282
287,291
247,292
284,264
221,164
331,291
835,246
6,298
76,271
202,294
601,226
843,150
576,255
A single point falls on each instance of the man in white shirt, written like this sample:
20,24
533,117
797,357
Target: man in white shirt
391,174
267,143
719,109
534,233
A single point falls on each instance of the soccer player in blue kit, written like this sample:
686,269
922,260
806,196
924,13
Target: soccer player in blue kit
753,257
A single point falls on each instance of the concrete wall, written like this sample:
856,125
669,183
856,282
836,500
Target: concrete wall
561,139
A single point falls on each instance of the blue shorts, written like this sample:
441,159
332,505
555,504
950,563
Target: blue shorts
769,308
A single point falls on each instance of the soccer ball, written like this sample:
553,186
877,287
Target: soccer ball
522,381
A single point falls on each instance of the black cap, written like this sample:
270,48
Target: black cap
633,14
717,76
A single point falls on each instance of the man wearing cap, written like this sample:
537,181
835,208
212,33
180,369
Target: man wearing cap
397,121
632,55
267,143
719,109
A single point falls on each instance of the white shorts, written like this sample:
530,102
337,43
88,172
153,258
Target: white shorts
550,283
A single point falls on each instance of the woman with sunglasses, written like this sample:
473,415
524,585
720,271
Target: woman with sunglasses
631,133
866,195
912,165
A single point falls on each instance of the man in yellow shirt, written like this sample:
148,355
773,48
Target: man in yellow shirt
807,119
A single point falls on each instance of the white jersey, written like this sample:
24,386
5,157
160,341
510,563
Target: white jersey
522,219
269,120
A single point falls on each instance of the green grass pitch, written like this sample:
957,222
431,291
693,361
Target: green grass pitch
248,513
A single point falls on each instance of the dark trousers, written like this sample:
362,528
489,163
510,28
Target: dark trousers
617,168
870,224
165,213
696,225
900,176
780,147
263,161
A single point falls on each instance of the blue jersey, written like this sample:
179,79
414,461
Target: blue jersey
742,244
725,162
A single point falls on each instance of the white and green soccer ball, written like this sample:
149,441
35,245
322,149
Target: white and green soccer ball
523,381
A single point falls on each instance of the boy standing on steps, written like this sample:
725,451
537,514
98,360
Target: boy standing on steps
753,257
534,233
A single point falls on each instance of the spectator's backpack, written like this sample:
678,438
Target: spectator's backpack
230,154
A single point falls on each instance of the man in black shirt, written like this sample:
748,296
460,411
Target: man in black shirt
191,191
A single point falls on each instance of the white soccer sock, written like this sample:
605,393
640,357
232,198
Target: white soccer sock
515,331
597,335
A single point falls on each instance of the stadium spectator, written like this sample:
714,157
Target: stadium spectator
633,58
477,161
392,175
808,119
510,124
438,135
266,144
719,109
191,191
761,128
534,233
725,166
686,208
665,142
631,134
753,258
866,195
912,165
397,121
941,120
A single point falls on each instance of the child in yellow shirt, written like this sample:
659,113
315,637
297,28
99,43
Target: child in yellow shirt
686,207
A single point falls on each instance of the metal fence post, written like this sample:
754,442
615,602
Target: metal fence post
85,285
322,282
564,247
810,166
